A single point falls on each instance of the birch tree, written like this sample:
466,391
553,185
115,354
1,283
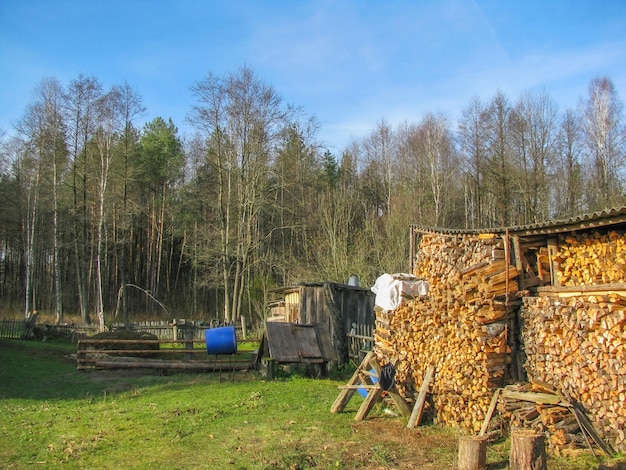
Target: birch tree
42,157
110,123
605,138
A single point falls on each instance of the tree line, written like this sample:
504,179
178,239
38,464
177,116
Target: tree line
101,218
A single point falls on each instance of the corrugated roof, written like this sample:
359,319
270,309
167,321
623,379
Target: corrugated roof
604,218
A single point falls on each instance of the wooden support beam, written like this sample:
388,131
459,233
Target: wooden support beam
421,399
492,408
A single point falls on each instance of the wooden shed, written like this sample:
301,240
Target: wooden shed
543,304
345,311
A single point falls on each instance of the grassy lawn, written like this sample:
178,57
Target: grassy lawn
53,415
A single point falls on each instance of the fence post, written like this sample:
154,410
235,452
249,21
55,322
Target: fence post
190,333
243,327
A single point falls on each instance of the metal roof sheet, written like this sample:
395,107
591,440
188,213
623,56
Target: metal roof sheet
604,218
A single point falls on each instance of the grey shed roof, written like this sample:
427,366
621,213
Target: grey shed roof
604,218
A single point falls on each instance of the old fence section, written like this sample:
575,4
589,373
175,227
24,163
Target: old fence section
17,329
543,305
163,329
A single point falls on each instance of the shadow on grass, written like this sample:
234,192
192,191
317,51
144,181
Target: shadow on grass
47,371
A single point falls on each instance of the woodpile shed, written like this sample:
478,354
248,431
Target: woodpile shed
543,304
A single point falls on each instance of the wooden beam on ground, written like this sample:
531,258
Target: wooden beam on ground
421,399
492,408
372,398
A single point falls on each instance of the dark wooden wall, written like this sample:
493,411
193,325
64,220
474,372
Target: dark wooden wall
339,308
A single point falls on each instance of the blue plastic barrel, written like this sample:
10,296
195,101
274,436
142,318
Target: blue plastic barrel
221,340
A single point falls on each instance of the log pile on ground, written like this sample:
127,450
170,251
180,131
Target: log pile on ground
539,409
577,344
461,328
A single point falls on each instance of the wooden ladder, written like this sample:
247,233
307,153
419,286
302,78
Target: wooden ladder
366,377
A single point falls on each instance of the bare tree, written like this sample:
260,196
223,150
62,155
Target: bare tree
109,123
534,139
604,131
499,168
569,200
81,103
242,119
43,154
131,108
435,148
379,152
473,146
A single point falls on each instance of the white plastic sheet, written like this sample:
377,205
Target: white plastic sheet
390,289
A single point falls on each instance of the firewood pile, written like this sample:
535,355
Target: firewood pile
577,344
538,407
592,258
572,335
461,328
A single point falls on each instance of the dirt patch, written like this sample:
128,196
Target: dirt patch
393,445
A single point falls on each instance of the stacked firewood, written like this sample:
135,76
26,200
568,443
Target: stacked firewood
519,408
461,328
576,343
592,258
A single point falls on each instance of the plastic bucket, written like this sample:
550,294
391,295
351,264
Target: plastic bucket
221,340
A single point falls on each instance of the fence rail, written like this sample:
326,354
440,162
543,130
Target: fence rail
162,329
157,354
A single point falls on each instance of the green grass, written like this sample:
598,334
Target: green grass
53,415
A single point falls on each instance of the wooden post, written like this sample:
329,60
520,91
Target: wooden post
244,331
472,453
189,337
528,451
268,368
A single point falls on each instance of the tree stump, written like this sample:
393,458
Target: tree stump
472,452
528,451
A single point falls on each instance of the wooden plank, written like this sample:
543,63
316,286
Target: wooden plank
372,398
588,427
421,399
535,397
492,408
306,340
171,365
400,402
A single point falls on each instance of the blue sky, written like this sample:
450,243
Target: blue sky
350,63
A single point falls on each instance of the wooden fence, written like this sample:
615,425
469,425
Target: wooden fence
12,329
164,330
17,329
